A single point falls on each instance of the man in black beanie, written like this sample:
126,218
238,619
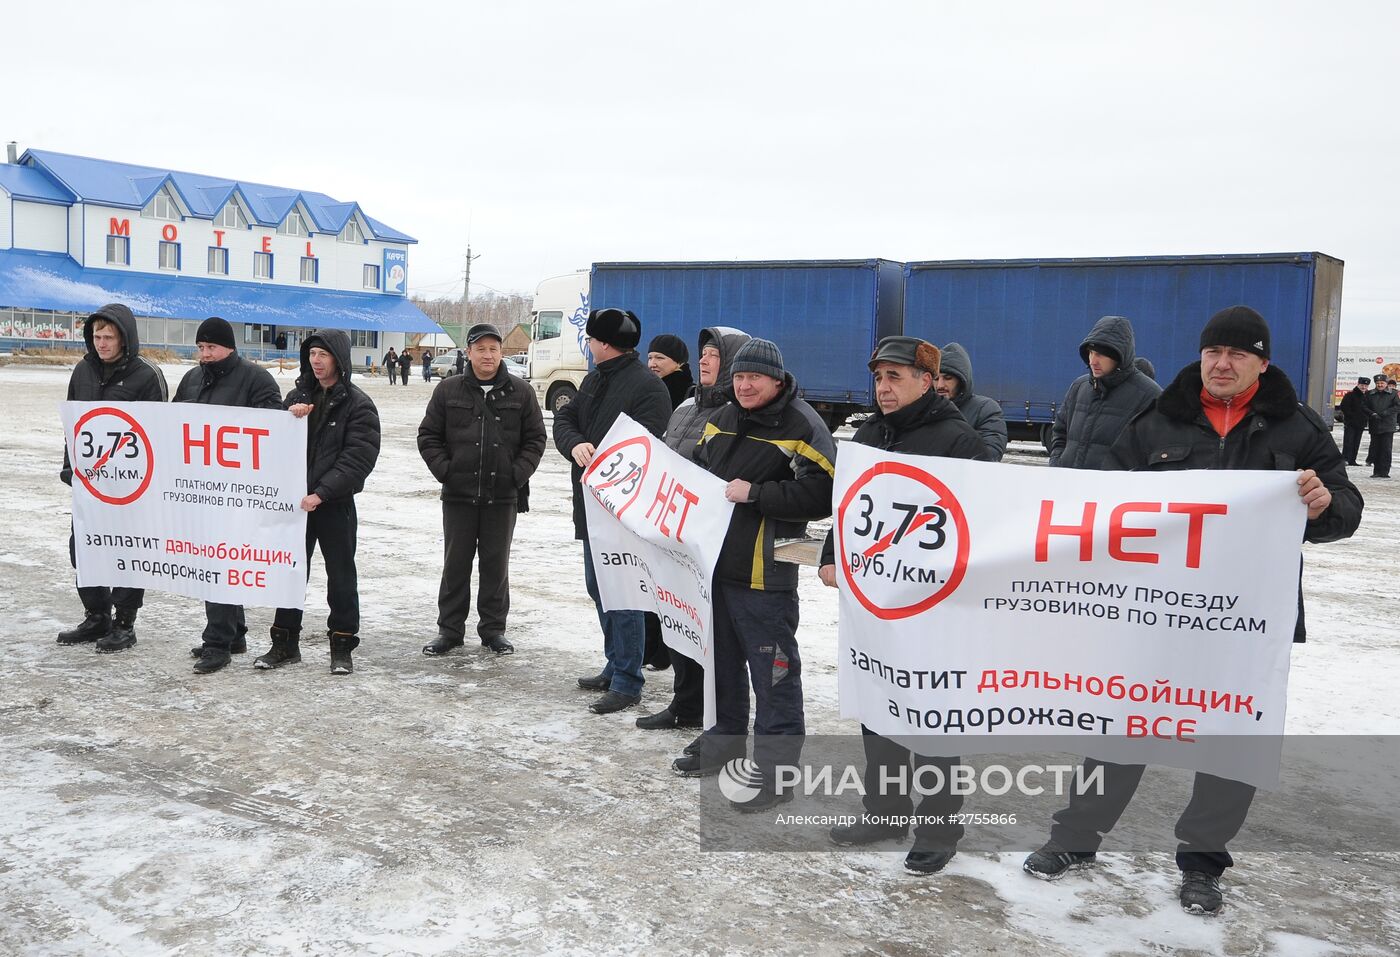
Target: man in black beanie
668,358
1229,410
618,384
223,377
1355,418
1382,409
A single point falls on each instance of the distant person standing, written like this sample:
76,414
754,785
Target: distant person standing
427,365
1355,418
668,359
391,363
405,364
112,371
224,378
460,365
1382,407
954,383
482,437
1099,405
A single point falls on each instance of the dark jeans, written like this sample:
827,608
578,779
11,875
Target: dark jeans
757,631
403,374
884,760
1212,818
1381,446
100,598
468,531
334,525
393,373
427,373
223,623
624,636
1351,441
656,653
688,692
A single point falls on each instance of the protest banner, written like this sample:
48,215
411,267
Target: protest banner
1137,617
199,500
655,527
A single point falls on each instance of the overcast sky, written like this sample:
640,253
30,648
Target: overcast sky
569,133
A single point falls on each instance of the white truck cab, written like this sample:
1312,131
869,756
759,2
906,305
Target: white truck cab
558,353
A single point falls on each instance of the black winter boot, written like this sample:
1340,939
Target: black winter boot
123,633
341,646
238,646
93,627
210,660
285,650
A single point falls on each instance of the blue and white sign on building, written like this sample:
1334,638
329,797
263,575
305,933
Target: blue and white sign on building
396,271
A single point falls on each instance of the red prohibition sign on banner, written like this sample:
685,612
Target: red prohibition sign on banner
619,469
133,436
943,500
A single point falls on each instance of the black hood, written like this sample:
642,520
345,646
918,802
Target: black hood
728,340
956,362
1114,333
334,341
121,315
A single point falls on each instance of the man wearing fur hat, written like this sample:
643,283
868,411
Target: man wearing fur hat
618,384
223,377
342,446
913,417
777,456
112,371
1230,410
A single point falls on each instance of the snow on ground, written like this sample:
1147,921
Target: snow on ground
474,805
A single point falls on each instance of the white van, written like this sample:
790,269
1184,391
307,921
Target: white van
558,353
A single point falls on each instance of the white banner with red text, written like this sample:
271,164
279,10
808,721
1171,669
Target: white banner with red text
199,500
1137,617
656,523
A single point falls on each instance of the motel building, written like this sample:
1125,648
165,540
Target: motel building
176,248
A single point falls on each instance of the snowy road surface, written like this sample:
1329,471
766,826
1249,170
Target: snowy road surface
473,805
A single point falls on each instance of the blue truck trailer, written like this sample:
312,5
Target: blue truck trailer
1022,319
825,315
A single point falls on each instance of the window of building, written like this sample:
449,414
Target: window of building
162,206
367,338
351,233
256,332
118,251
262,265
169,255
231,217
293,225
308,268
218,261
371,276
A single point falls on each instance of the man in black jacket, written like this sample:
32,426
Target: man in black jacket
391,363
984,414
1382,408
777,456
618,384
1354,419
342,445
1100,405
482,437
405,364
223,377
1230,410
913,418
112,371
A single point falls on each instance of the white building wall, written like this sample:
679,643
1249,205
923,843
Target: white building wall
5,218
75,233
41,226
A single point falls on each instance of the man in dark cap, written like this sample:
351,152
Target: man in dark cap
112,371
1100,404
1355,418
618,384
668,359
223,377
342,446
1230,410
482,437
1382,409
778,459
913,418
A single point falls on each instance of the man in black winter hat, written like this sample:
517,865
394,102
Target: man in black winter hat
618,384
1355,418
112,371
223,377
1382,410
342,446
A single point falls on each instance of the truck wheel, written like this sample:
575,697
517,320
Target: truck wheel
560,396
1046,432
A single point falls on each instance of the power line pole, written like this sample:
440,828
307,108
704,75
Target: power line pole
466,292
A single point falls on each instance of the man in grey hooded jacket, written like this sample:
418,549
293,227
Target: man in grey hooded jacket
1101,403
954,383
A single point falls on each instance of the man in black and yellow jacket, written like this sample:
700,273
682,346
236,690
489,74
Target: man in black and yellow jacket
778,457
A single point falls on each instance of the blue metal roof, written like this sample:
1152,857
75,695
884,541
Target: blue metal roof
54,281
25,182
126,185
